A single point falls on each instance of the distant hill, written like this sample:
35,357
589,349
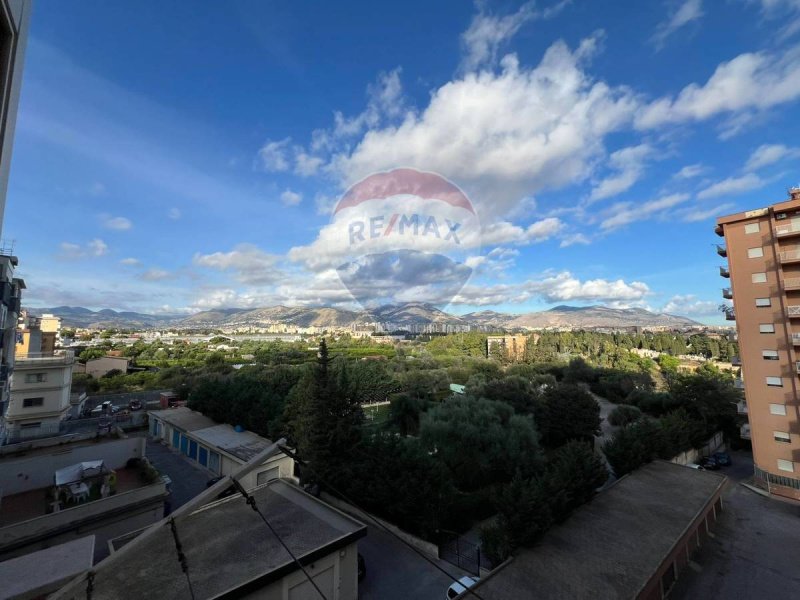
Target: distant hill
398,315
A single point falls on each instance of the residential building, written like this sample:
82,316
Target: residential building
51,324
97,367
221,449
763,251
40,385
510,346
632,541
10,298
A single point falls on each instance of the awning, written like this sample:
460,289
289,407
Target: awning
79,472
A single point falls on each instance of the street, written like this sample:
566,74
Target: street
755,548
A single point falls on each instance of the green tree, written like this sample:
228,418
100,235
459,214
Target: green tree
573,476
633,446
624,414
567,412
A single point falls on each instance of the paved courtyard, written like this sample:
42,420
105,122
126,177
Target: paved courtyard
188,478
755,549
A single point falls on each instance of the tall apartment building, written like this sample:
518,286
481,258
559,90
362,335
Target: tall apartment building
763,251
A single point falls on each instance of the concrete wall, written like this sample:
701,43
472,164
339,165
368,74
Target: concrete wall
695,454
336,575
35,470
97,367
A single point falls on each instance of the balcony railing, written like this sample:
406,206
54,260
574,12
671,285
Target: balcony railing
741,407
736,361
791,283
797,367
744,431
788,229
738,384
730,314
59,357
724,272
796,339
718,230
722,251
789,256
793,311
727,293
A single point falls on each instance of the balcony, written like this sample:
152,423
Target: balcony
793,311
789,256
718,230
741,407
791,283
730,314
744,431
787,230
797,367
727,293
44,359
736,361
738,384
722,251
796,339
723,272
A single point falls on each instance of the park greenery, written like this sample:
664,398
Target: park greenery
515,451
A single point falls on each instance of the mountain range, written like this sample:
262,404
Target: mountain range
399,315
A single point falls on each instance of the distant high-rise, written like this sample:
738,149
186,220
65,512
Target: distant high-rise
763,251
14,19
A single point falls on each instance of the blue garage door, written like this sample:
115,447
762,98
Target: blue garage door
184,444
176,436
202,457
192,449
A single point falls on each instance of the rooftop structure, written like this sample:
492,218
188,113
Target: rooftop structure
631,541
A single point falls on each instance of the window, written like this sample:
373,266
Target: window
780,216
31,402
777,409
766,328
763,302
785,465
35,377
755,252
267,475
213,461
782,437
759,277
769,354
752,228
774,381
31,425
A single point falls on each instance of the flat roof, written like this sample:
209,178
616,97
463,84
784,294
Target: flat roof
241,444
612,546
184,418
784,205
227,546
40,572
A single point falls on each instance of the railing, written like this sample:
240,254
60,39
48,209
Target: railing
727,293
791,283
789,255
722,251
724,272
797,367
736,361
793,311
789,229
59,357
741,407
744,431
738,384
730,314
796,338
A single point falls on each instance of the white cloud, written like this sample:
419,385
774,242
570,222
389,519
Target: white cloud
174,213
690,171
768,154
629,164
697,214
250,264
732,185
740,88
689,305
624,213
687,12
130,262
788,11
116,223
94,248
156,274
290,198
274,155
574,238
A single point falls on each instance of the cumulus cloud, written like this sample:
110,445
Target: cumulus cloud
624,213
504,232
156,274
249,264
574,238
687,12
290,198
487,33
767,154
739,88
788,11
690,305
732,185
274,156
130,262
116,223
94,248
629,166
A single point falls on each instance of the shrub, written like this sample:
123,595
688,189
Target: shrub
624,414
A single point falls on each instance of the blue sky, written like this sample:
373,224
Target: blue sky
176,157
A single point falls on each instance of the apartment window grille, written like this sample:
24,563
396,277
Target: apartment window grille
785,465
759,277
774,382
755,252
769,354
32,402
777,409
762,302
766,328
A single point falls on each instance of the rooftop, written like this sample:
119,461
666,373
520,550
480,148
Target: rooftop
184,418
610,547
241,444
226,545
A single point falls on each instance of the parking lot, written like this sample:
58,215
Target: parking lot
755,548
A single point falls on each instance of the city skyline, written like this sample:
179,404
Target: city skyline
597,145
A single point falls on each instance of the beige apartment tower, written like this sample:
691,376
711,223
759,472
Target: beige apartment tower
763,251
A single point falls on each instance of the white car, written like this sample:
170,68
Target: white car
461,586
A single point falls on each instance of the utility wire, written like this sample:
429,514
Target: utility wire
181,556
424,556
250,499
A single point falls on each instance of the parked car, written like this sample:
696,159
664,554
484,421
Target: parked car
362,567
723,459
135,404
695,466
461,586
709,463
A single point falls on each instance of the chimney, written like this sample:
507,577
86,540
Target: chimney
794,193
